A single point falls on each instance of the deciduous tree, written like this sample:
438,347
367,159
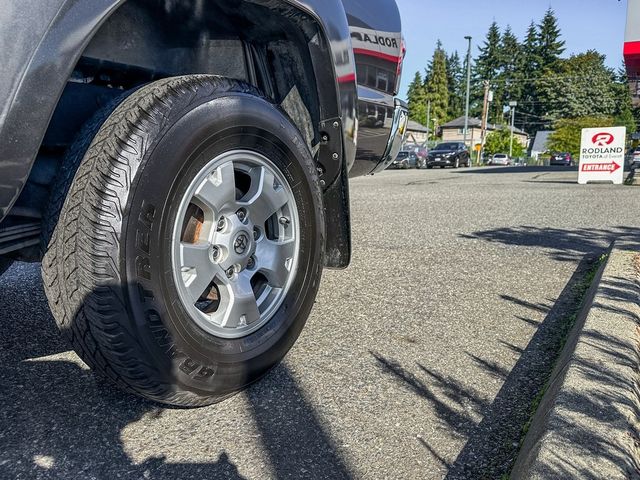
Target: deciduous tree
581,86
499,141
568,133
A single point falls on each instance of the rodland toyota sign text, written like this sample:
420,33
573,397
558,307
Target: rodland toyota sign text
602,155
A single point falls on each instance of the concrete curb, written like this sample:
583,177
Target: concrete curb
586,426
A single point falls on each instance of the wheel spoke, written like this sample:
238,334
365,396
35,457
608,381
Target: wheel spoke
218,190
242,307
198,270
269,198
273,259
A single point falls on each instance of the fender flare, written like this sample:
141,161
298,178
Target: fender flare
45,75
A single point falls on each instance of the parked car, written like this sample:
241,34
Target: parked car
404,160
563,159
500,159
419,153
181,170
449,154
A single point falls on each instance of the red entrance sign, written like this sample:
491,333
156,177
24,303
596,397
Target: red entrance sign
600,167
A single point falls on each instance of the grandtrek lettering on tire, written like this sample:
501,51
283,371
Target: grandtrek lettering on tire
219,168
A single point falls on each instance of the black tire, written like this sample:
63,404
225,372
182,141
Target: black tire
5,263
107,266
67,171
429,167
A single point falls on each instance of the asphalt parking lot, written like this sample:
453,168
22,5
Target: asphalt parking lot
419,361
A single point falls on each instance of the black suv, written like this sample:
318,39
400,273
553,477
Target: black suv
175,164
449,154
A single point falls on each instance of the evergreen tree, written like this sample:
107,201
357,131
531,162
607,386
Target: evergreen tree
417,99
487,65
437,86
531,58
489,60
530,73
508,85
550,46
513,67
551,76
457,86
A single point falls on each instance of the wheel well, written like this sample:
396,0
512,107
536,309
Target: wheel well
267,43
263,42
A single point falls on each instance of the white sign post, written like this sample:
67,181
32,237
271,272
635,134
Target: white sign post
602,155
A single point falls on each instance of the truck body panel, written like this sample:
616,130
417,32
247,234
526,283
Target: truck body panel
361,52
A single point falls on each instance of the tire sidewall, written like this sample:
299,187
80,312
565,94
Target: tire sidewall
192,357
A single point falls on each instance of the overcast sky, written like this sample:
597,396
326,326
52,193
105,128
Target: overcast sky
585,24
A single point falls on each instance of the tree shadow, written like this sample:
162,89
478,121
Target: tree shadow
489,170
563,244
493,443
60,421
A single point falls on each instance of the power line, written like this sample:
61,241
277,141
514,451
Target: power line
547,78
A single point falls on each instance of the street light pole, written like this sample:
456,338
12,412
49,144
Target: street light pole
513,106
466,108
428,122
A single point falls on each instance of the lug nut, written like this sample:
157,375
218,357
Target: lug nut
285,221
230,272
215,253
256,234
251,263
242,214
222,223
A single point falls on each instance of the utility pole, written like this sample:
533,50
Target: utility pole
428,122
485,112
466,108
513,106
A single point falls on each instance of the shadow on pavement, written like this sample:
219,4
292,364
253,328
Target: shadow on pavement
492,445
563,245
494,170
59,421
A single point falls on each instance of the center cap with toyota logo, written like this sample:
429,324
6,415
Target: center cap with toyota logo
241,244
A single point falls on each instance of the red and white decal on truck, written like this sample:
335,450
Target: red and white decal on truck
632,39
388,47
385,45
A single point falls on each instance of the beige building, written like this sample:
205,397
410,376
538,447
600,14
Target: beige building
417,133
453,131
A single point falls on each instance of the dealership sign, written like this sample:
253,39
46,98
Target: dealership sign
602,155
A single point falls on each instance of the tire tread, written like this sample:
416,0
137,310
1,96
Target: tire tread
80,271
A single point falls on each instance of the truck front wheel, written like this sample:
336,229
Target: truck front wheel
189,249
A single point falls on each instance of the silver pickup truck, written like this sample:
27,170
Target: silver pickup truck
180,168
